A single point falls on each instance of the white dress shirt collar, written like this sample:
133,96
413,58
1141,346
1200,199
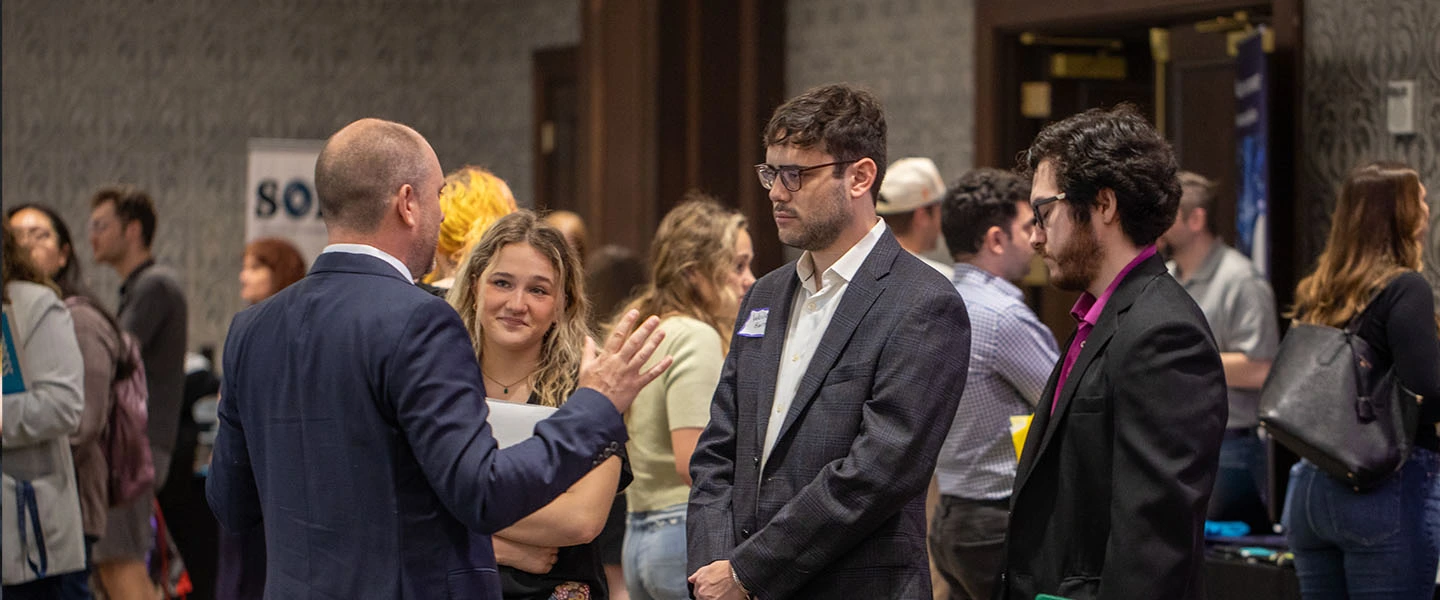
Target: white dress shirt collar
369,250
848,263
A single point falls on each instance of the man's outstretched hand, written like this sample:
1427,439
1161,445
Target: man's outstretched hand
616,370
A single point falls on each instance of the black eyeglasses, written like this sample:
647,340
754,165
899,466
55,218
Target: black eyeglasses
789,174
1036,205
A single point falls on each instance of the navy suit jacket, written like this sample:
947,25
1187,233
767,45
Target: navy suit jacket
839,510
1111,489
352,422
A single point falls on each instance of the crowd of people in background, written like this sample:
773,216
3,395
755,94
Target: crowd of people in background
699,432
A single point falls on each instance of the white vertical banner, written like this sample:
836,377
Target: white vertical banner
280,194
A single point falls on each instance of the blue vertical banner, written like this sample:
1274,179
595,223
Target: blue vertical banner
1252,135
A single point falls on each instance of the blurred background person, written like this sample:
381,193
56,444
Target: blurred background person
909,201
613,276
1379,543
41,231
573,228
700,270
1240,308
269,265
472,199
520,293
153,308
45,546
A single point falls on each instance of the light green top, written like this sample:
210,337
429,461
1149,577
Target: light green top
678,399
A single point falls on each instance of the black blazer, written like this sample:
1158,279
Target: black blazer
1111,489
840,512
352,424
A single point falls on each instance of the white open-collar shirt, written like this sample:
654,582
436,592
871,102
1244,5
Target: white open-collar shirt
815,304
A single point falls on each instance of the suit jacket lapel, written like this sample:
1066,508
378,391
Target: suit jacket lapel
777,324
1105,328
1038,425
860,295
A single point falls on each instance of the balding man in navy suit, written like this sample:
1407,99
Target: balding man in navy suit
352,423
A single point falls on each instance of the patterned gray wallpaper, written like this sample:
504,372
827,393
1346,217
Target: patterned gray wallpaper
917,56
1351,50
165,94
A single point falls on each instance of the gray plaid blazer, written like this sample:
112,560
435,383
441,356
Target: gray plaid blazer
840,512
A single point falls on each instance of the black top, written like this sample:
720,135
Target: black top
579,564
1399,325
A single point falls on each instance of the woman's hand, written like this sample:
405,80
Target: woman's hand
530,559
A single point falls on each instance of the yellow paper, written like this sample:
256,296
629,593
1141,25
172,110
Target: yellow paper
1019,428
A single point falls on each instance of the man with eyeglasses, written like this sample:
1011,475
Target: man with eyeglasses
841,381
1110,493
153,309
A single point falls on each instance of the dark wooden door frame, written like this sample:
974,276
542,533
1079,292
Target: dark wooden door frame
997,21
674,96
548,67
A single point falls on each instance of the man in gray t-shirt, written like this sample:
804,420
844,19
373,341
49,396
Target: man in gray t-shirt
1240,308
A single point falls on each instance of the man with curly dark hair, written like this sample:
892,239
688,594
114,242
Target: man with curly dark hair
987,222
1110,493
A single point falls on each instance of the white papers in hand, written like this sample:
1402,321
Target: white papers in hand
512,422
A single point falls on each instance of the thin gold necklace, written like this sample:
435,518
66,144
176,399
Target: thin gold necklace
507,386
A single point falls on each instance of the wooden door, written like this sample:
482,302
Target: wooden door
1200,115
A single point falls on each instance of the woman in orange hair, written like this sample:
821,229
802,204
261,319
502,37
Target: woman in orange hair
270,265
472,200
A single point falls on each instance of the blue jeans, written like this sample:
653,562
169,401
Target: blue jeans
1240,483
1383,543
654,554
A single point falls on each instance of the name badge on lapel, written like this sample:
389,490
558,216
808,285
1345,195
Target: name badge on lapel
755,325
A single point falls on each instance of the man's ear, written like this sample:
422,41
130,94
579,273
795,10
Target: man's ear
1106,206
136,234
995,239
407,205
860,178
1195,221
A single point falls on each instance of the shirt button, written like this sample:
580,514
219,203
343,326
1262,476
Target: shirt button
795,358
811,306
1082,344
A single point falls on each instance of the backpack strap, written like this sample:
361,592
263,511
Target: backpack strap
26,505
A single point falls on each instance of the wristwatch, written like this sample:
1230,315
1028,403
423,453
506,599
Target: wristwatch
736,578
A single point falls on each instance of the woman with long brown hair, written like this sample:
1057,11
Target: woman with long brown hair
699,272
1383,542
44,549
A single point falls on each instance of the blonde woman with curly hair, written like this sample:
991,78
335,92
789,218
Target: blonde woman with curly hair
520,292
472,200
700,270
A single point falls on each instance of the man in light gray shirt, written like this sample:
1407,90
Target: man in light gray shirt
1240,308
986,218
